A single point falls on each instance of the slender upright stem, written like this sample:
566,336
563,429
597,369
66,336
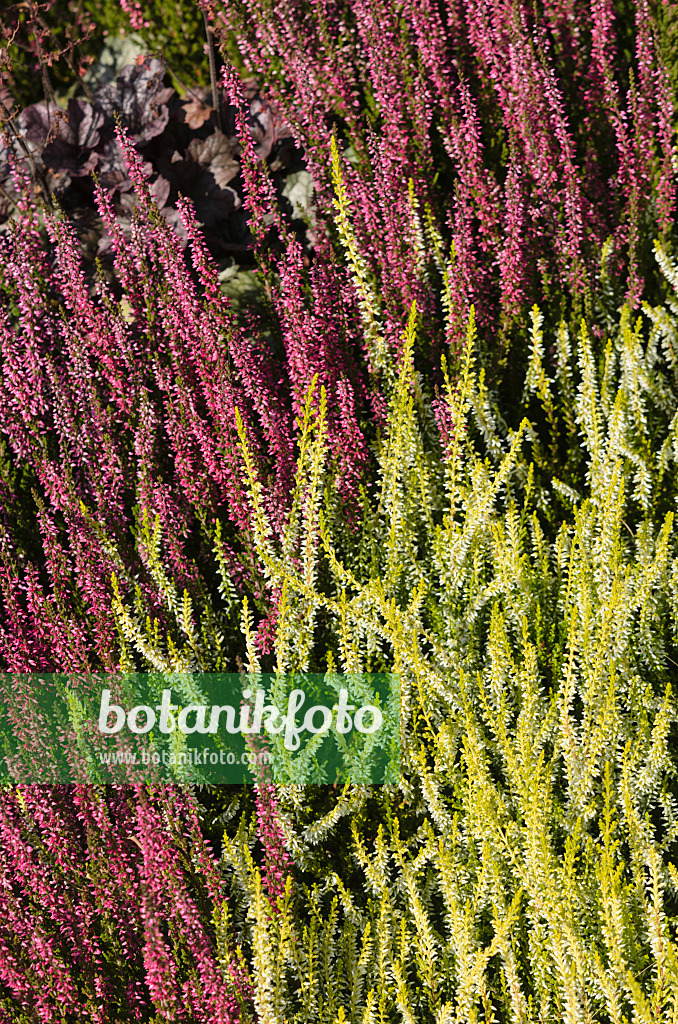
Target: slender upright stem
46,84
213,74
69,60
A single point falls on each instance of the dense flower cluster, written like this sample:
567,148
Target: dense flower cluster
529,137
384,456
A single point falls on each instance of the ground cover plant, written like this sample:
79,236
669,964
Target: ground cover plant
361,358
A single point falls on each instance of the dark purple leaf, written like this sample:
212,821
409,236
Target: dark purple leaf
125,212
266,122
213,205
160,190
4,156
77,136
139,98
112,169
203,175
39,123
7,103
215,153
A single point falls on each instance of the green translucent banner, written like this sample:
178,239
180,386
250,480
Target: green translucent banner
189,728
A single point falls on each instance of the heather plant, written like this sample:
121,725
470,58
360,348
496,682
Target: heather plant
62,148
93,886
160,370
524,869
524,866
527,147
529,144
310,484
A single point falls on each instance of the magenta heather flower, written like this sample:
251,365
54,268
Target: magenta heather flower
483,142
277,861
134,11
595,160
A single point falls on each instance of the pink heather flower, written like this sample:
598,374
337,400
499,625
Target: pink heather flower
134,11
277,862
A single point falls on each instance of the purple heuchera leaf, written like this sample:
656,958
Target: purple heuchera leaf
139,98
7,102
204,174
39,122
78,135
112,169
266,121
213,204
4,155
159,190
216,154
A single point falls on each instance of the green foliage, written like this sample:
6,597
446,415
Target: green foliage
77,36
526,589
516,565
